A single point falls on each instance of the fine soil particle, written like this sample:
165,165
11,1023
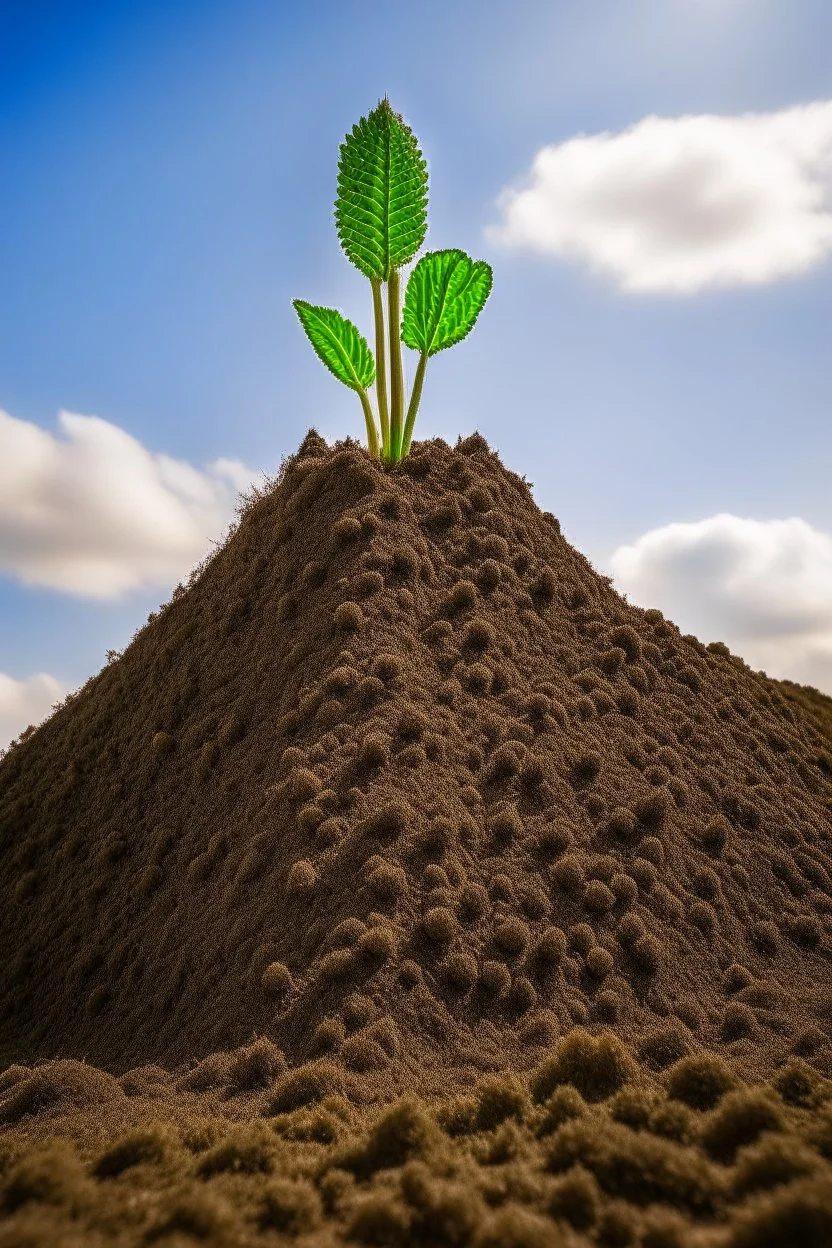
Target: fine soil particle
397,795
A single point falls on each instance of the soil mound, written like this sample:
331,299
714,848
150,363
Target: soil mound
399,783
403,884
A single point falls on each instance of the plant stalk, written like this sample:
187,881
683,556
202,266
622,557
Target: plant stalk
415,396
370,421
396,376
381,367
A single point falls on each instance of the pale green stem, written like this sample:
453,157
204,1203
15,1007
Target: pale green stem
396,377
370,420
415,396
381,366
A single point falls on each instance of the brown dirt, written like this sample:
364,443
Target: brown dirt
399,798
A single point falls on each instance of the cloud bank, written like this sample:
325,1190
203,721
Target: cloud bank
99,515
764,587
678,205
24,702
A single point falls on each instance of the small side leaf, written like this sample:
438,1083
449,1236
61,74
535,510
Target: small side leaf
338,344
445,294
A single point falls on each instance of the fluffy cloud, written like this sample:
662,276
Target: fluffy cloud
99,515
764,587
24,702
675,205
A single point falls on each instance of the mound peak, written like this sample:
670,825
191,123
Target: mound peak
400,782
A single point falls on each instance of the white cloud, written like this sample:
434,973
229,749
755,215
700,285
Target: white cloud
678,204
99,515
764,587
24,702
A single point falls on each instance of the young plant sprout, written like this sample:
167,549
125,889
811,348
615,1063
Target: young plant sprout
381,218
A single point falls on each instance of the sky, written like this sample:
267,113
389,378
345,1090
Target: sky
650,181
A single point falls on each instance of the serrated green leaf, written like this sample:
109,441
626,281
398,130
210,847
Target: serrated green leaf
445,294
338,344
381,209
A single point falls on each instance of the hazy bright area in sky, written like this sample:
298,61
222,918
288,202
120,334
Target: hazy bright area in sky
650,180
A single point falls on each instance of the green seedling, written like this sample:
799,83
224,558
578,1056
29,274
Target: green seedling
381,219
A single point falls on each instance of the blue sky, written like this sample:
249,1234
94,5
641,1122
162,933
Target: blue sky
650,180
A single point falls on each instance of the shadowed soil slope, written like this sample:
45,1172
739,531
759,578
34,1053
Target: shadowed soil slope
398,795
